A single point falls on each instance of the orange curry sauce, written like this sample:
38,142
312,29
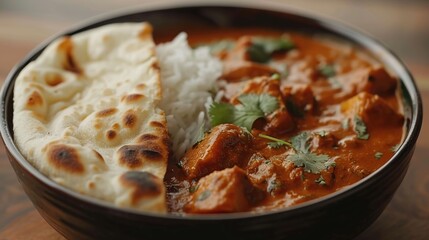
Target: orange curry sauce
231,170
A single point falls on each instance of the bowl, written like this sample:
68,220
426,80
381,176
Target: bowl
341,215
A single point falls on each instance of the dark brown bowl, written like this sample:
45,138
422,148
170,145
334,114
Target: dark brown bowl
340,215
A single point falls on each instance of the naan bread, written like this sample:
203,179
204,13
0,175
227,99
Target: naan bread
86,115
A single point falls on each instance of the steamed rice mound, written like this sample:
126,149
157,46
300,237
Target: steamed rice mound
188,80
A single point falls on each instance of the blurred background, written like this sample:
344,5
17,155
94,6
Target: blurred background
402,25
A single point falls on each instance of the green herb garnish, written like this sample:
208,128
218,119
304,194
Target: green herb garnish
200,134
194,188
327,71
204,195
320,180
275,76
335,84
378,155
302,157
276,143
219,46
323,133
273,185
360,128
221,113
395,148
345,124
258,54
252,107
261,48
179,164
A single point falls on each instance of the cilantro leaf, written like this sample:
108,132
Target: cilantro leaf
219,46
261,48
221,113
322,133
276,76
300,142
204,195
335,84
276,143
320,180
200,134
395,148
246,117
360,128
310,161
378,155
258,54
304,158
193,188
252,107
327,71
273,185
271,45
268,103
345,124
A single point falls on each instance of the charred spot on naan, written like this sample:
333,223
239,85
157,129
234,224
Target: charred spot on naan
143,185
148,137
111,134
161,130
155,66
157,124
134,156
146,32
53,79
91,185
132,98
65,158
129,119
141,86
116,126
106,112
69,64
162,139
35,99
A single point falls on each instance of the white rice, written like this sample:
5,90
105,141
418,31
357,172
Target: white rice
188,77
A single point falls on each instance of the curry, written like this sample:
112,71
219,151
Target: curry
301,117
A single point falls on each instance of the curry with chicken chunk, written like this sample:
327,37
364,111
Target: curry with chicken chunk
300,117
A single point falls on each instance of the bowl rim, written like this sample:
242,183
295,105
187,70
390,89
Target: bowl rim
336,26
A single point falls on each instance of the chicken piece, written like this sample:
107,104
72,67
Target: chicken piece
279,122
370,80
259,169
272,174
372,109
238,66
224,191
259,86
224,146
241,70
324,139
263,173
299,99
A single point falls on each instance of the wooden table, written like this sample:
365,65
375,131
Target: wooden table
402,26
